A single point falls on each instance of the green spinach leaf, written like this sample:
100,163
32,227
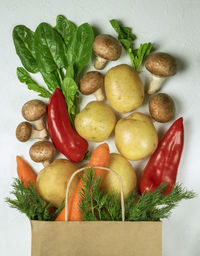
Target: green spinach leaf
70,91
52,80
49,49
66,29
70,71
83,48
23,39
24,77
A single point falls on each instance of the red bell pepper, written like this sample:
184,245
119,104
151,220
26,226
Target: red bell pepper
63,135
163,164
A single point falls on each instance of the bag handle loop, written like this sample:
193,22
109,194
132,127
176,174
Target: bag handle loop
95,167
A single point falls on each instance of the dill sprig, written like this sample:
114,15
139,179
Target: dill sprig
94,204
28,201
152,206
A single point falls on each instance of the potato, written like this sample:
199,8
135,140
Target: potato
52,181
95,122
135,136
124,88
110,182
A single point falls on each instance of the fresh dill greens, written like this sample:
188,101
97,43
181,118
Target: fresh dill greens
94,204
152,206
126,37
29,201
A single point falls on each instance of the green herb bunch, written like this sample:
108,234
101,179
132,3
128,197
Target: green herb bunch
28,201
126,37
152,206
59,53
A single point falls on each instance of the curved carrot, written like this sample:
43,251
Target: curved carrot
100,157
25,172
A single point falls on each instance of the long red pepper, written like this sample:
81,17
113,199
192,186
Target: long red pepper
163,164
64,137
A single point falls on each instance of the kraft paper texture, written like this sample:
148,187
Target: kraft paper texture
102,238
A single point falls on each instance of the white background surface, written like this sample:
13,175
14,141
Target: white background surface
173,26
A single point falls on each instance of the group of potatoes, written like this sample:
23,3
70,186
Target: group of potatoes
135,135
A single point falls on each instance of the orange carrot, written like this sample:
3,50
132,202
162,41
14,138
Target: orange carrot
100,157
25,172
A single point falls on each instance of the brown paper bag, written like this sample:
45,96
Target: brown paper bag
96,238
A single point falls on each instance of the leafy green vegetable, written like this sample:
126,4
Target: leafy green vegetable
123,32
148,207
126,37
94,204
70,91
83,48
24,77
70,71
23,39
28,201
78,42
66,29
49,49
155,205
52,80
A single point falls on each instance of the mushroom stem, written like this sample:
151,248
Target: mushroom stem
155,84
100,63
39,124
99,94
46,163
42,134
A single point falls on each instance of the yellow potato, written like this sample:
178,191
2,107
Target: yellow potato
135,136
52,181
124,88
121,165
95,122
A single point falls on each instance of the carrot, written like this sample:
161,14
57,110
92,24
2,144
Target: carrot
100,157
25,172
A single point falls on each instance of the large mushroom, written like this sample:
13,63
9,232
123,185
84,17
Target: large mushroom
42,151
25,131
106,48
161,65
161,107
92,82
34,111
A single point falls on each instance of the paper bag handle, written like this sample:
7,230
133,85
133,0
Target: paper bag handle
96,167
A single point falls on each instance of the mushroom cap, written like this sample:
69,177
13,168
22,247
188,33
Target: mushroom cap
161,107
34,110
91,82
42,151
107,47
24,131
161,64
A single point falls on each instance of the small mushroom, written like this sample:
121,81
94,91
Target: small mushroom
25,131
92,82
42,151
161,65
161,107
106,48
34,111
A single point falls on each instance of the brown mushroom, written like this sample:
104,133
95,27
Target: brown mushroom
92,82
106,48
42,151
161,65
34,111
161,107
25,131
